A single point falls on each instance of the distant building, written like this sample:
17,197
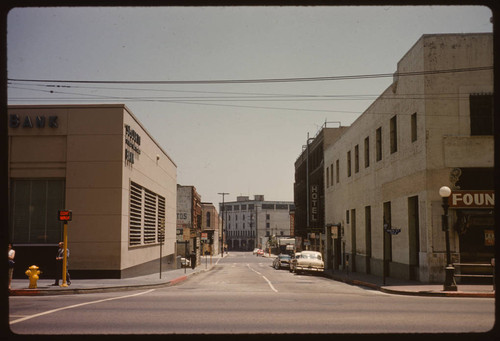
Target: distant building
309,197
251,223
189,221
211,224
432,127
99,162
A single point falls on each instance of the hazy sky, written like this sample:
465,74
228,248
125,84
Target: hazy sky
241,138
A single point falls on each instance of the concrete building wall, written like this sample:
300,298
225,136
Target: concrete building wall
86,149
419,166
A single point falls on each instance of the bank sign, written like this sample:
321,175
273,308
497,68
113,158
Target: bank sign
16,121
472,199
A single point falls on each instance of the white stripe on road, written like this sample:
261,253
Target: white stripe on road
268,281
78,305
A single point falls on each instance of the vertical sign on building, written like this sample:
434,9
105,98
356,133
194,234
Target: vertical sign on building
314,203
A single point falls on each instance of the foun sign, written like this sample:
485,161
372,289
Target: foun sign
472,199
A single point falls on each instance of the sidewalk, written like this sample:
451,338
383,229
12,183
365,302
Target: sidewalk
414,288
403,287
172,277
20,287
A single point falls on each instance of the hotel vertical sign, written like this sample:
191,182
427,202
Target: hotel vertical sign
314,203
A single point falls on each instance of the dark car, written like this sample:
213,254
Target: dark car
282,262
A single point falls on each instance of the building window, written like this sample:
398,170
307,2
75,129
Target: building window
268,225
393,131
367,152
337,168
33,211
327,175
208,219
347,216
349,163
147,215
268,216
481,114
356,159
378,141
413,127
331,174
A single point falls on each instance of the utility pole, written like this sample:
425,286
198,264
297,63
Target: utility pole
223,211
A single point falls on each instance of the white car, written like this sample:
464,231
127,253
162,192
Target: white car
185,262
309,261
255,251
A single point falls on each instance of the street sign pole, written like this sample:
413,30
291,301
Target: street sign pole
65,255
65,215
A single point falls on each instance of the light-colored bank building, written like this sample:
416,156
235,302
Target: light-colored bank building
99,162
432,127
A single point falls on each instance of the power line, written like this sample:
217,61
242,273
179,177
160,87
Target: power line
264,80
244,97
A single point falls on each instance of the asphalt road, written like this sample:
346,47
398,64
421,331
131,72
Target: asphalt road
244,294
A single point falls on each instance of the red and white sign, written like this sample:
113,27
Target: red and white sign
472,199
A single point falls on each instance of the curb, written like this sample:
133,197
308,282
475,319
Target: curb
439,294
48,292
414,293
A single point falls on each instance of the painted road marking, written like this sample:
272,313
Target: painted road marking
78,305
268,281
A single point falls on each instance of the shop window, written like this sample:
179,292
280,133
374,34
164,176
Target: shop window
33,211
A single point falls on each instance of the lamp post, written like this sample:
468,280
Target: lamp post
449,282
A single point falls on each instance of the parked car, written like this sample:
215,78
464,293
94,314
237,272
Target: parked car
309,261
282,261
185,262
293,261
260,252
255,251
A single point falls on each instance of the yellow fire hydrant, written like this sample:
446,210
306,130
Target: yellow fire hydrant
33,273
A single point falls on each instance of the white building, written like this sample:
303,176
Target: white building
251,223
99,162
432,127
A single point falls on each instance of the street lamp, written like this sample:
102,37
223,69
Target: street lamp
449,282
